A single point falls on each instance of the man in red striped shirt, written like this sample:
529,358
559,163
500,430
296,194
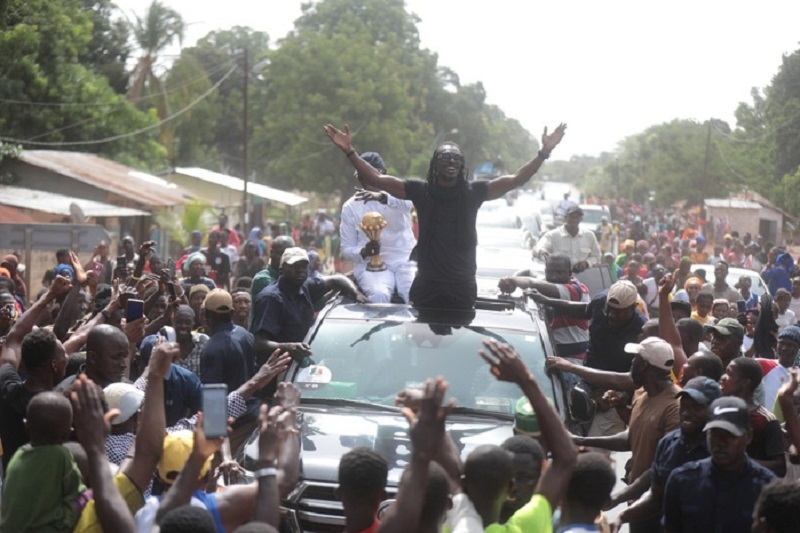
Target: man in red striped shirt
571,335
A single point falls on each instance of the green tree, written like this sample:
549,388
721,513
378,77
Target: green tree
47,95
109,49
157,29
217,53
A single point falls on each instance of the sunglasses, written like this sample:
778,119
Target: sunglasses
449,156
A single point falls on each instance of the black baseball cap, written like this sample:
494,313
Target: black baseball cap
574,209
729,413
701,389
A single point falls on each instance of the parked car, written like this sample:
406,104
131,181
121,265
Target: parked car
364,354
758,285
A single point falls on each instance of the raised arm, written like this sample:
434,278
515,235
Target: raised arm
394,186
507,365
152,420
666,324
571,309
266,474
508,285
503,184
11,351
785,399
181,491
427,432
91,428
620,381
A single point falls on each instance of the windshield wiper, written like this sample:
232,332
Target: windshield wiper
472,411
343,402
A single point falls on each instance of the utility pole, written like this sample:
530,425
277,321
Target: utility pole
245,139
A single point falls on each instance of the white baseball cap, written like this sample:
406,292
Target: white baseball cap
293,255
656,351
125,397
622,294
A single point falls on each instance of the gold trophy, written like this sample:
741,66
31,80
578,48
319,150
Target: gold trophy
373,224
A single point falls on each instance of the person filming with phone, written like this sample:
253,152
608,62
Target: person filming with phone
579,245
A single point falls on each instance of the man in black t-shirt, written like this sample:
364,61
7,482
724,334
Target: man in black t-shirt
45,361
447,206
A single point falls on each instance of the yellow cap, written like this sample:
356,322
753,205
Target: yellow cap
177,449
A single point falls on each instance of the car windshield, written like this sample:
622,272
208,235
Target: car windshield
593,216
373,360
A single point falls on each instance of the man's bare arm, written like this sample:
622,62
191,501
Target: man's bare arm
503,184
666,324
394,186
620,381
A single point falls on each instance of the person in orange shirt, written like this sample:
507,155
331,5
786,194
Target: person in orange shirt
699,255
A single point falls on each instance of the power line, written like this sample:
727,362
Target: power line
215,70
132,133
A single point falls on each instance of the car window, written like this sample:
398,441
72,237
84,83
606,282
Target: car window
373,361
593,216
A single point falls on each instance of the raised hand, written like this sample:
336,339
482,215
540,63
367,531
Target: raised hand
551,141
91,423
161,358
134,330
427,426
269,435
80,274
298,350
278,362
204,447
338,137
410,397
537,296
288,395
665,286
505,364
146,248
60,286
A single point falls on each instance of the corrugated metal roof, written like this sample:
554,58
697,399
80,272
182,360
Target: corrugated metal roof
11,214
110,176
731,203
237,184
60,205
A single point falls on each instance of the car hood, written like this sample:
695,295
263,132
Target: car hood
328,432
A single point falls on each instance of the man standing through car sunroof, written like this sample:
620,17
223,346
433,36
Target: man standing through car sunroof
447,206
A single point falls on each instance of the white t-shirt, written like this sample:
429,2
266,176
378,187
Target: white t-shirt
463,518
785,320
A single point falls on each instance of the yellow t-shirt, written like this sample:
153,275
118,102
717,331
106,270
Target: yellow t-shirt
536,516
88,522
708,319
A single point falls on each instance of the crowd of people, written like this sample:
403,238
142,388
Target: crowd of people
103,373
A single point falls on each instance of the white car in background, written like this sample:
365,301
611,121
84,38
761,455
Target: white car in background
592,215
758,285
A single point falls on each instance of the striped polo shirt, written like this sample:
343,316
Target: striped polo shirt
571,335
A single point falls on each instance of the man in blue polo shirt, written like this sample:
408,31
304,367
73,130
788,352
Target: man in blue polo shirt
284,311
720,492
676,448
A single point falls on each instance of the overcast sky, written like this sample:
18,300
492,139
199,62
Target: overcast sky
607,68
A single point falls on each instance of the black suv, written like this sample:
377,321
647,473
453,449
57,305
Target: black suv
363,355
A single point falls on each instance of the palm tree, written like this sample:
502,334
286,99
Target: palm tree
156,30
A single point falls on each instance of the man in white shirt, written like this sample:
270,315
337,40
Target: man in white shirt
397,240
581,246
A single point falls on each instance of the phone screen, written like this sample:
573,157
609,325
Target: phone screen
134,310
741,305
215,410
171,267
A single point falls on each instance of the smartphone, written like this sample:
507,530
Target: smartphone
171,289
171,268
134,310
121,261
741,306
215,410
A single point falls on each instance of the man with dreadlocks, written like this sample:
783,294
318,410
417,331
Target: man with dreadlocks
447,206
